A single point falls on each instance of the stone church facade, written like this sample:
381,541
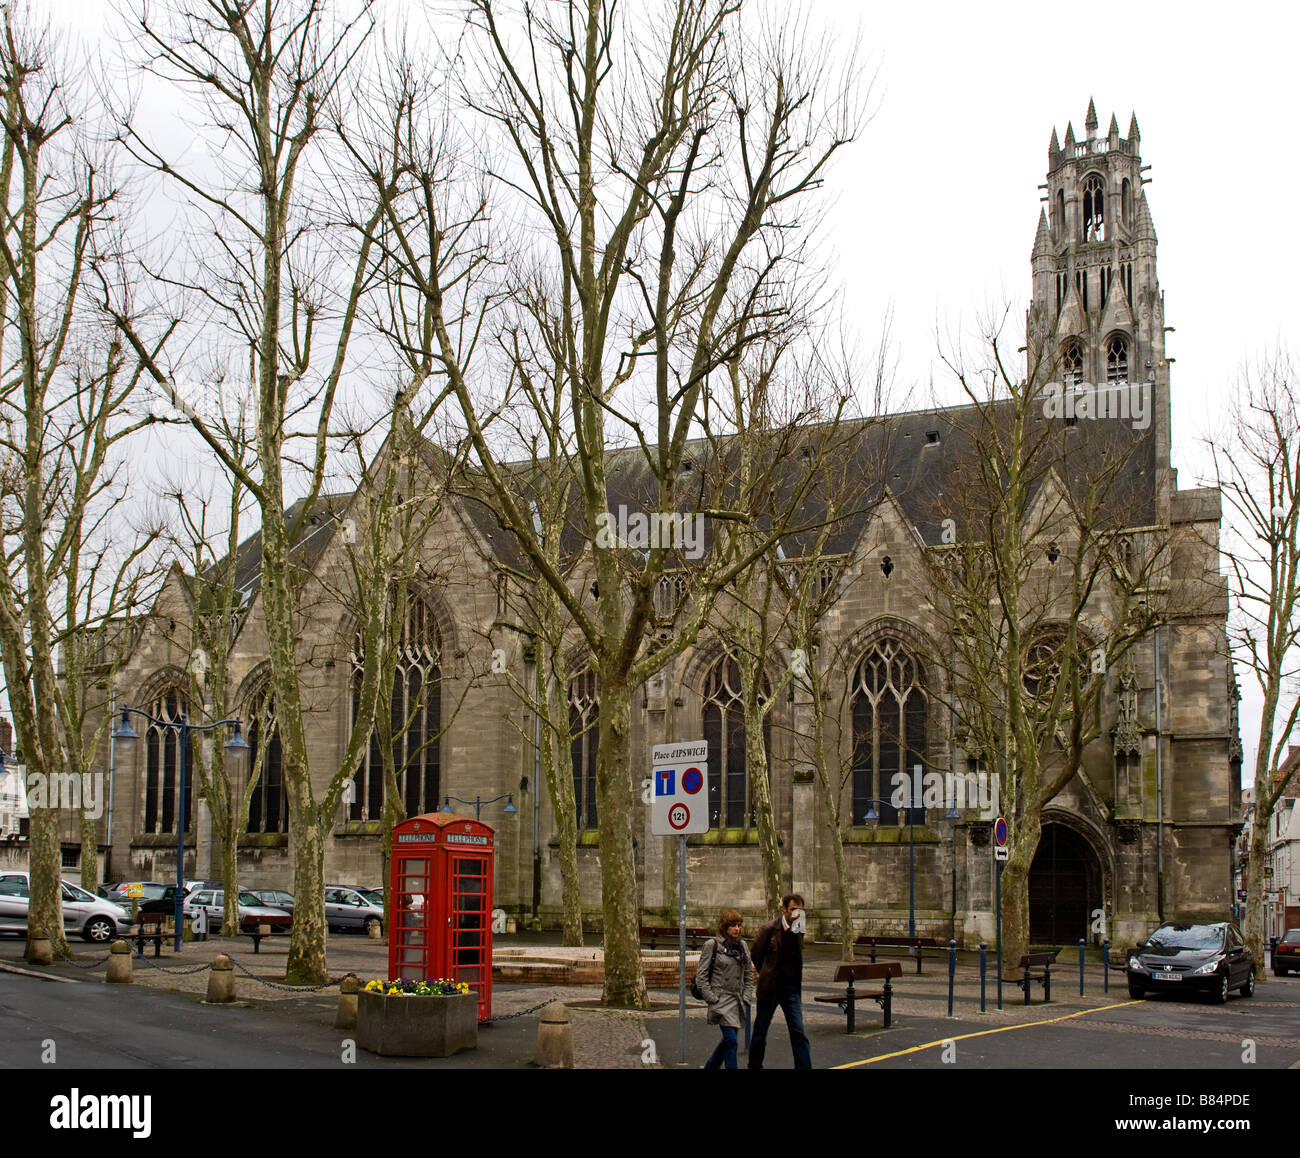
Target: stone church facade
1147,826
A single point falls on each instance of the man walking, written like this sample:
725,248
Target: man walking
778,956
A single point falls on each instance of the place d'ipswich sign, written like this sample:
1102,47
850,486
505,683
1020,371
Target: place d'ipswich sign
680,788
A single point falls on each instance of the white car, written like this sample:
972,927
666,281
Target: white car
94,918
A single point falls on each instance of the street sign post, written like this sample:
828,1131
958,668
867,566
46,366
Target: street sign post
1000,854
679,775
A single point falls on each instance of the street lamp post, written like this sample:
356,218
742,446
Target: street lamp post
478,802
236,743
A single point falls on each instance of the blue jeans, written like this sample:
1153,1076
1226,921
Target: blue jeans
725,1055
791,1004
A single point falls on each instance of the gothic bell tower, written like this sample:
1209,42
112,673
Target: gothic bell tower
1097,314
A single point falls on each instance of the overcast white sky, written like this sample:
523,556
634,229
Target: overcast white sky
937,203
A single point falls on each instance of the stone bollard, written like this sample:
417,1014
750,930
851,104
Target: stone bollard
39,950
221,981
349,987
120,971
555,1038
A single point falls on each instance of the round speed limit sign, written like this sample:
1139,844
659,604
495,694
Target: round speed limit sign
679,816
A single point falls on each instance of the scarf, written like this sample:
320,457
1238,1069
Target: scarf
735,947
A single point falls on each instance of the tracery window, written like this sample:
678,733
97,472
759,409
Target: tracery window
1117,359
584,743
268,807
730,797
162,754
1072,365
415,718
889,725
1094,208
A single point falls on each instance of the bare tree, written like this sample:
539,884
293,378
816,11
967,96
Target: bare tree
104,605
65,385
790,423
272,78
665,158
1043,584
206,532
1258,467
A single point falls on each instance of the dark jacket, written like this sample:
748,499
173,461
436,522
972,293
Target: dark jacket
778,956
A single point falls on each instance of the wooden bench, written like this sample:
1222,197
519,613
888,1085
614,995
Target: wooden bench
913,945
254,930
1035,967
671,935
849,973
149,927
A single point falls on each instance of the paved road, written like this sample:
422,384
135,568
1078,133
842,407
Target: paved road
1101,1052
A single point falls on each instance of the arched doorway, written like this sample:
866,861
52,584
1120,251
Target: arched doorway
1065,886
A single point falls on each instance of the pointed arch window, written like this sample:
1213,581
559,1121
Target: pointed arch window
162,755
1094,208
268,807
584,743
889,726
1117,359
415,719
730,799
1125,203
1072,365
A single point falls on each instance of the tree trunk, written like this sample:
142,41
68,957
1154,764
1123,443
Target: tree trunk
1253,926
842,888
89,851
306,965
1015,887
45,866
566,819
761,795
230,874
620,898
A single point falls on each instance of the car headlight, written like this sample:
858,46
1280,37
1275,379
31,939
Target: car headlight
1134,963
1211,966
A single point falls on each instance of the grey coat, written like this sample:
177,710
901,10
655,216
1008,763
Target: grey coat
732,982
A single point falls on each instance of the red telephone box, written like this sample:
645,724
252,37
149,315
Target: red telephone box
440,896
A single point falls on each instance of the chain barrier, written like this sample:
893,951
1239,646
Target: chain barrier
68,957
283,988
177,972
522,1012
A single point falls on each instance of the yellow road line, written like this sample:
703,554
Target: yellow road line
982,1033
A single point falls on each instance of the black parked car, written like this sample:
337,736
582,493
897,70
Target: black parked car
1287,954
1179,958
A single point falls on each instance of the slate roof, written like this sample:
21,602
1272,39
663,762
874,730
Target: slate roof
925,459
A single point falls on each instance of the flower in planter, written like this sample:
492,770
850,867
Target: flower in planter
405,987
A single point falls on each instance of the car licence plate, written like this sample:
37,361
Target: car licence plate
1166,976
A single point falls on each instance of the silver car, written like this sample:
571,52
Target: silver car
94,918
347,908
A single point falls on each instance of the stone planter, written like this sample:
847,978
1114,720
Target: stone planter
417,1026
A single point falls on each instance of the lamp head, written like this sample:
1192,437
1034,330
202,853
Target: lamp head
510,808
237,743
124,731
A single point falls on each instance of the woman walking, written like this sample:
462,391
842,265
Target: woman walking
725,978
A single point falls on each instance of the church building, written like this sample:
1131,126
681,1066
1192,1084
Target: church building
1145,828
